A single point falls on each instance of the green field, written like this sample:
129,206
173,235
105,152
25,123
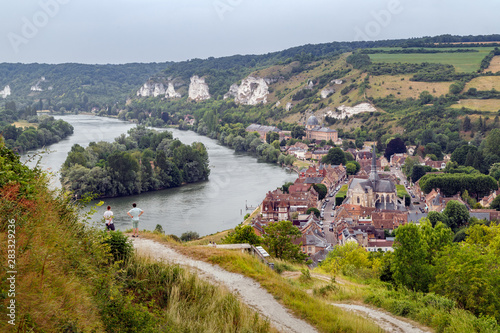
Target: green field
463,62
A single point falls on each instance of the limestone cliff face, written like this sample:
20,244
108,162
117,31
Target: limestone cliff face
171,93
156,89
37,86
5,92
327,92
151,89
252,91
198,89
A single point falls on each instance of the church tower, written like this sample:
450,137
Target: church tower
373,173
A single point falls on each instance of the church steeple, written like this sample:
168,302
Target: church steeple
373,174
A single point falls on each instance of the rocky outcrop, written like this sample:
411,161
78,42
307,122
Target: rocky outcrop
327,92
347,111
5,92
171,93
37,86
288,106
233,91
151,89
252,91
336,81
155,89
198,89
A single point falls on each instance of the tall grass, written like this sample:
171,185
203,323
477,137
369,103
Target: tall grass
316,311
431,310
75,278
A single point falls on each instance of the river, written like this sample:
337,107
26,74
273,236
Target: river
236,180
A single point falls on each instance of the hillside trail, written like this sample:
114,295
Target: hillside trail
251,293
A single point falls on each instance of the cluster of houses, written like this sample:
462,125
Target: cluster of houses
371,210
293,205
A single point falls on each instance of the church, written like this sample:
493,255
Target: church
315,132
374,192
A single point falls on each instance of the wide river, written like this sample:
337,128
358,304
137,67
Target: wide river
236,180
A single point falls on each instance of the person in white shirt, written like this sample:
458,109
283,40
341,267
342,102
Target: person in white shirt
108,218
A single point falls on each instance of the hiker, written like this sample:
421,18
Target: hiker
134,213
108,218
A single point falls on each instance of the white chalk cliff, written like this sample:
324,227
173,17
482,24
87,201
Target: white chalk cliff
5,92
198,89
327,92
252,91
37,86
344,111
151,89
171,93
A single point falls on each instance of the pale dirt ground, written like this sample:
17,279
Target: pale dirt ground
251,293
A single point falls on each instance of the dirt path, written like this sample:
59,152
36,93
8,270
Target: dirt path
249,291
384,320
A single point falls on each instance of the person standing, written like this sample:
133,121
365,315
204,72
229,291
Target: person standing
134,213
108,218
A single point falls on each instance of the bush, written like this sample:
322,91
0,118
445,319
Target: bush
189,236
159,229
120,246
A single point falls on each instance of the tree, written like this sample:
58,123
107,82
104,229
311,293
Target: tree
313,210
435,217
335,156
189,236
415,249
417,172
410,266
425,97
395,146
492,142
321,189
298,132
278,238
466,125
457,214
242,234
495,171
346,258
350,168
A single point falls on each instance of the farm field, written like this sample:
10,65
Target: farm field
485,105
463,62
484,83
401,87
494,65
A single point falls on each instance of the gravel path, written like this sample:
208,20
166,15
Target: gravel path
384,320
249,291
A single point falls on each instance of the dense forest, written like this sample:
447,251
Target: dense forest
142,161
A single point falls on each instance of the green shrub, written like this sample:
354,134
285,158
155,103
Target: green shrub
120,245
189,236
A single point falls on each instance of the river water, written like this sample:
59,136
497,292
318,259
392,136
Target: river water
236,180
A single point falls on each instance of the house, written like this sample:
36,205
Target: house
398,160
485,214
383,245
262,130
435,164
487,200
435,202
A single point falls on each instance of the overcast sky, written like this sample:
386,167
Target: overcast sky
121,31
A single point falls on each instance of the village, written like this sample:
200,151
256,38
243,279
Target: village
364,208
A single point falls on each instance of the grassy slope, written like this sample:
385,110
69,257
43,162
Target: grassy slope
67,281
313,309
